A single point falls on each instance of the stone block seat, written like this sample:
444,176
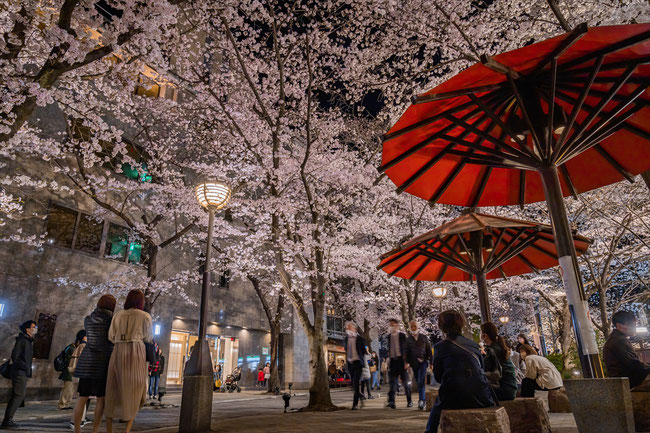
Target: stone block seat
431,394
641,410
527,415
558,401
484,420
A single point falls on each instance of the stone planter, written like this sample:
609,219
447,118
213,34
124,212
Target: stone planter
601,405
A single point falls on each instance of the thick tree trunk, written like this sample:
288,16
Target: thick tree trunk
274,380
604,323
319,387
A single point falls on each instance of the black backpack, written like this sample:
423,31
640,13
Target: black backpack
62,360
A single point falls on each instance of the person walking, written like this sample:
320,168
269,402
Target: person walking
355,348
419,356
92,366
21,371
620,358
498,367
71,355
541,374
267,373
154,374
458,367
373,364
126,386
365,376
398,364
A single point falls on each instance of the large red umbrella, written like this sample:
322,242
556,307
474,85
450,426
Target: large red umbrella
478,246
552,119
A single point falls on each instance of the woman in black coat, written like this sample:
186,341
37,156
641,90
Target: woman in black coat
458,367
92,367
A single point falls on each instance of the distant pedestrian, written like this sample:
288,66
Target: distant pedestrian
126,387
260,377
155,370
365,376
71,354
620,358
458,367
267,373
21,370
398,364
373,364
541,374
518,362
521,339
498,367
92,366
383,368
419,356
355,346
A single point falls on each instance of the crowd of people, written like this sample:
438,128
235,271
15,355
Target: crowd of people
108,357
471,374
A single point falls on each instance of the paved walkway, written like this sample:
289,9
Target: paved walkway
252,411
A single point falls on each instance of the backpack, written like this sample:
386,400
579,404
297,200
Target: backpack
62,360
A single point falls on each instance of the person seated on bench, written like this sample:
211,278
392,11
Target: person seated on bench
458,367
498,367
541,374
620,358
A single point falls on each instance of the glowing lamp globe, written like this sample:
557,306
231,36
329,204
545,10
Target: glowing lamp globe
439,292
504,319
212,194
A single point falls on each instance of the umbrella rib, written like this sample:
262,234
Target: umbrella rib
404,264
567,178
551,114
609,158
491,63
574,36
462,92
562,141
522,188
625,43
543,251
462,242
443,271
443,259
496,245
419,270
422,170
520,100
439,134
525,243
480,148
495,257
482,185
637,131
528,263
398,255
612,66
453,249
443,186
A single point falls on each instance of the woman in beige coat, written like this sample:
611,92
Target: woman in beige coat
126,387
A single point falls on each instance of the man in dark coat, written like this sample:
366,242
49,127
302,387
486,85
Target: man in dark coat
620,358
21,370
355,346
419,356
398,363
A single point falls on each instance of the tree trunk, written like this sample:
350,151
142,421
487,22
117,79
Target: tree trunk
274,380
565,336
319,386
604,328
152,272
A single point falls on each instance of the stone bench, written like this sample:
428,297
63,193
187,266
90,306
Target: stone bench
431,398
527,415
558,402
641,410
484,420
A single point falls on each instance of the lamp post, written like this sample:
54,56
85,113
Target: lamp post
440,292
196,403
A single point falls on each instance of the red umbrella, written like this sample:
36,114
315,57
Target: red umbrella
552,119
477,246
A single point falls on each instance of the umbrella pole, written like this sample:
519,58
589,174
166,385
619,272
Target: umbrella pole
582,327
483,301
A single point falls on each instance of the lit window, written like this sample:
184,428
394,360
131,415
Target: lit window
156,329
2,310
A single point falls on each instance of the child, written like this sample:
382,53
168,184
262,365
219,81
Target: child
260,377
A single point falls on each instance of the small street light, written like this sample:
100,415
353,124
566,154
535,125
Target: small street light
196,403
440,292
504,319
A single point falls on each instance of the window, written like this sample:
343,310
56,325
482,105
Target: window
73,229
335,326
61,222
43,338
117,240
224,279
89,234
151,89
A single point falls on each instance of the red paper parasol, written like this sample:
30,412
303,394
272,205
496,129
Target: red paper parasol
477,246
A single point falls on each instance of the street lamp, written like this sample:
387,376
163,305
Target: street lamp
196,403
440,292
504,319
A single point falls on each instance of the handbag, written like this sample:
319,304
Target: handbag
5,369
151,352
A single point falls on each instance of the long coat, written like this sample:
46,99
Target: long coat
93,362
21,356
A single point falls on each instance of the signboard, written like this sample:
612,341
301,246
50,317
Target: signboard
265,350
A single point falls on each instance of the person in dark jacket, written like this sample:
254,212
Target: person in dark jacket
155,370
92,367
21,370
497,360
419,357
398,363
458,367
355,346
72,353
620,358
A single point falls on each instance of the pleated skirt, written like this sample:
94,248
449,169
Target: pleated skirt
126,385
